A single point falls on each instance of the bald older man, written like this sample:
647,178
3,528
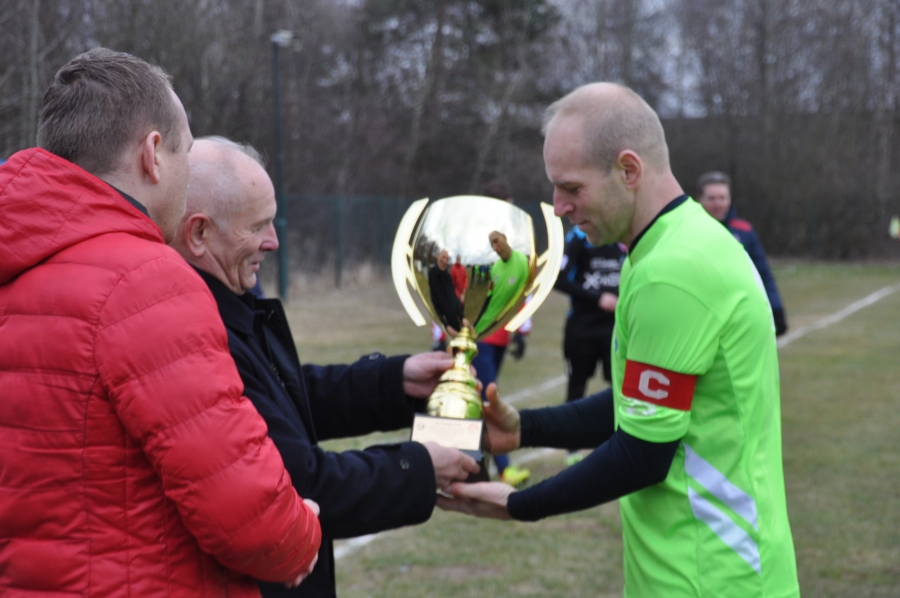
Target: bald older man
225,234
689,436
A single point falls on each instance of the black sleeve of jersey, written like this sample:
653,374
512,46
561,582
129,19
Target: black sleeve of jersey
585,423
620,466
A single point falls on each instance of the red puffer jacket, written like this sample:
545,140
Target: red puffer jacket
130,464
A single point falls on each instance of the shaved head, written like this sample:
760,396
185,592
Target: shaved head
613,118
500,244
218,177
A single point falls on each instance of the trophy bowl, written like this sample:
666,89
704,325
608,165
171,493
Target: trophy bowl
472,262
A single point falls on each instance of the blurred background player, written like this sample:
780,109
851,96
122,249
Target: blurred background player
440,284
590,276
460,278
715,196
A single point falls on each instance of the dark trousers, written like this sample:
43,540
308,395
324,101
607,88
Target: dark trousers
582,355
487,367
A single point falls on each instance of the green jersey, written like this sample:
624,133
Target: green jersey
509,278
694,359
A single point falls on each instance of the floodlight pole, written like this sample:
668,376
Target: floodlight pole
280,39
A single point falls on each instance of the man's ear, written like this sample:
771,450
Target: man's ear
196,234
150,147
631,168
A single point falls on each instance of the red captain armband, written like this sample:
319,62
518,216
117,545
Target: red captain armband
658,386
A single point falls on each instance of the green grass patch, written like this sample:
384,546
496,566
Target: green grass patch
841,415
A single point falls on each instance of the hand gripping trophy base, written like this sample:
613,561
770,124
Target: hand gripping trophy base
467,228
456,395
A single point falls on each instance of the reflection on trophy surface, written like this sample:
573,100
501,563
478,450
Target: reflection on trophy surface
472,262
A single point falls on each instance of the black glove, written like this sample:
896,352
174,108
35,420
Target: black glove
780,321
518,346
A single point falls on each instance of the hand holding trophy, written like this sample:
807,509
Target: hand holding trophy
491,244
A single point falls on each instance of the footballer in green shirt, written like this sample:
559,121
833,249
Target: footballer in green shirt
509,275
689,437
694,359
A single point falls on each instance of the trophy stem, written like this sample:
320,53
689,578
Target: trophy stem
456,395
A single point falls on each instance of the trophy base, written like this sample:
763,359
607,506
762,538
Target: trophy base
464,435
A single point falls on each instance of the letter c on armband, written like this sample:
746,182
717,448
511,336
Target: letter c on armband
659,386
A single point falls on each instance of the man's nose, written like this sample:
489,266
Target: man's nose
270,241
561,207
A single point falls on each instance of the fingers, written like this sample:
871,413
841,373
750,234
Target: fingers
493,396
305,574
425,365
422,372
463,467
471,491
502,423
469,465
439,360
450,464
482,499
501,410
312,505
459,505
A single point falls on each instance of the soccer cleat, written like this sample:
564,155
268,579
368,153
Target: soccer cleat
573,458
515,476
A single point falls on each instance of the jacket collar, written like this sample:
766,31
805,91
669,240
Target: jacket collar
237,311
138,205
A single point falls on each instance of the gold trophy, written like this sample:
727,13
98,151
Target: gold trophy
472,262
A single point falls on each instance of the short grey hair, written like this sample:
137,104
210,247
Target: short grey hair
713,177
216,188
244,148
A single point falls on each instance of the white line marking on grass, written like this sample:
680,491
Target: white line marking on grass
836,317
348,547
352,545
526,393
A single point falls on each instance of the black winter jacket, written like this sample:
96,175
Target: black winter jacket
359,492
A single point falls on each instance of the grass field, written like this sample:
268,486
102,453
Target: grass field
841,417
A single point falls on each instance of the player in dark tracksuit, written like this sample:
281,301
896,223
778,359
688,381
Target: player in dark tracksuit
587,274
744,233
715,197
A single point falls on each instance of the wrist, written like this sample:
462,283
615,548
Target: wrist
526,429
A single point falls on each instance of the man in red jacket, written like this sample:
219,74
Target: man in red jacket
131,464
